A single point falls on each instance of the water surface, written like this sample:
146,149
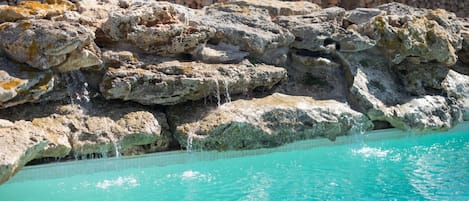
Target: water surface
410,167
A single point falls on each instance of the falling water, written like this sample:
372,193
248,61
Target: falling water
190,138
116,149
227,92
77,88
218,93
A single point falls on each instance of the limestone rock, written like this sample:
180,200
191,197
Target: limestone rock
20,84
20,142
221,53
264,122
315,31
421,38
171,82
456,85
44,44
250,28
374,88
156,27
278,8
34,9
96,128
464,53
362,15
316,75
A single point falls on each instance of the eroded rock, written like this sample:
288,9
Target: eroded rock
20,142
375,88
21,84
44,44
317,30
264,122
156,27
422,38
278,8
34,9
171,82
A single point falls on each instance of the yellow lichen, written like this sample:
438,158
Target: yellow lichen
25,24
4,26
40,10
10,84
33,50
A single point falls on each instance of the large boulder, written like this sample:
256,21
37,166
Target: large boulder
45,44
321,28
20,142
21,84
376,89
156,27
170,82
263,122
251,28
98,128
420,36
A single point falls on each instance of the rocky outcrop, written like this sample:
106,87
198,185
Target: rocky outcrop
71,131
171,82
250,28
278,8
236,75
20,142
20,84
319,29
400,36
264,122
34,10
156,27
44,44
375,87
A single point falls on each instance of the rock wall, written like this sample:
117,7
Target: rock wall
457,6
97,78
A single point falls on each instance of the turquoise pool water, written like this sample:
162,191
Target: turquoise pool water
411,167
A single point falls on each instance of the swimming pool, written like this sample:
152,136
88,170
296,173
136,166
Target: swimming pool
361,167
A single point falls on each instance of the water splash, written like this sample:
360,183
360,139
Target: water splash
227,92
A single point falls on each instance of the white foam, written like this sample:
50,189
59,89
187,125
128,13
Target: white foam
120,181
370,152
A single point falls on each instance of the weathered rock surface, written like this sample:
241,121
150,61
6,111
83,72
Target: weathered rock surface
279,8
220,53
34,9
264,122
421,37
250,28
98,129
156,27
44,44
171,82
376,89
21,84
20,142
315,31
398,64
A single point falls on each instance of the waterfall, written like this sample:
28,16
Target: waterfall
218,92
77,88
190,138
117,148
227,92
